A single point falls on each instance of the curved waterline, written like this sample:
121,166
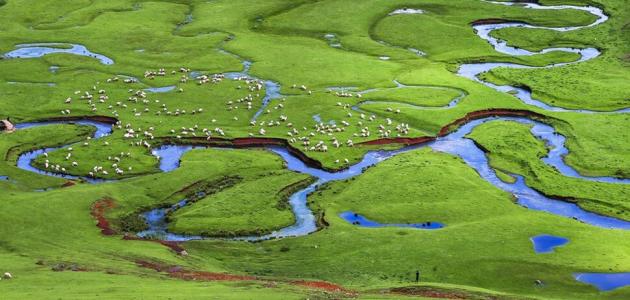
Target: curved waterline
473,70
41,49
25,160
546,243
272,88
483,30
399,85
604,281
454,143
359,220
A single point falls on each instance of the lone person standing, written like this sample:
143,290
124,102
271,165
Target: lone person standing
417,276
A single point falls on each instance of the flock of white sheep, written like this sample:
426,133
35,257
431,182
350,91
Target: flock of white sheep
320,137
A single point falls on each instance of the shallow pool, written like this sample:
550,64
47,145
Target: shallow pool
545,243
359,220
41,49
604,281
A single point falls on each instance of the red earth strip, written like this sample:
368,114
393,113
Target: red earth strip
480,114
98,212
180,273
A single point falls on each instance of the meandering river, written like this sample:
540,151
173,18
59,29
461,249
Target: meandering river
454,143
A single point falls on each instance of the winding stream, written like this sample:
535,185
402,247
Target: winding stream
162,89
272,88
454,143
472,71
41,49
25,160
400,85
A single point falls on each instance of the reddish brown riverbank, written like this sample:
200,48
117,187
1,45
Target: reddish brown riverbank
181,273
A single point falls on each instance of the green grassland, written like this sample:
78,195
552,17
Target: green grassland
487,231
514,149
36,282
586,85
422,96
256,207
31,139
596,152
484,252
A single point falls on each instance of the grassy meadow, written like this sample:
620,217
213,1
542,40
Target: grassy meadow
369,86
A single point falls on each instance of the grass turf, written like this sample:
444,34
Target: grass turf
484,251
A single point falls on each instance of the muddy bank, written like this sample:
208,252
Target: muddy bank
480,114
68,184
445,130
264,142
100,119
98,212
181,273
399,140
252,142
249,142
442,293
492,21
451,139
323,285
175,246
